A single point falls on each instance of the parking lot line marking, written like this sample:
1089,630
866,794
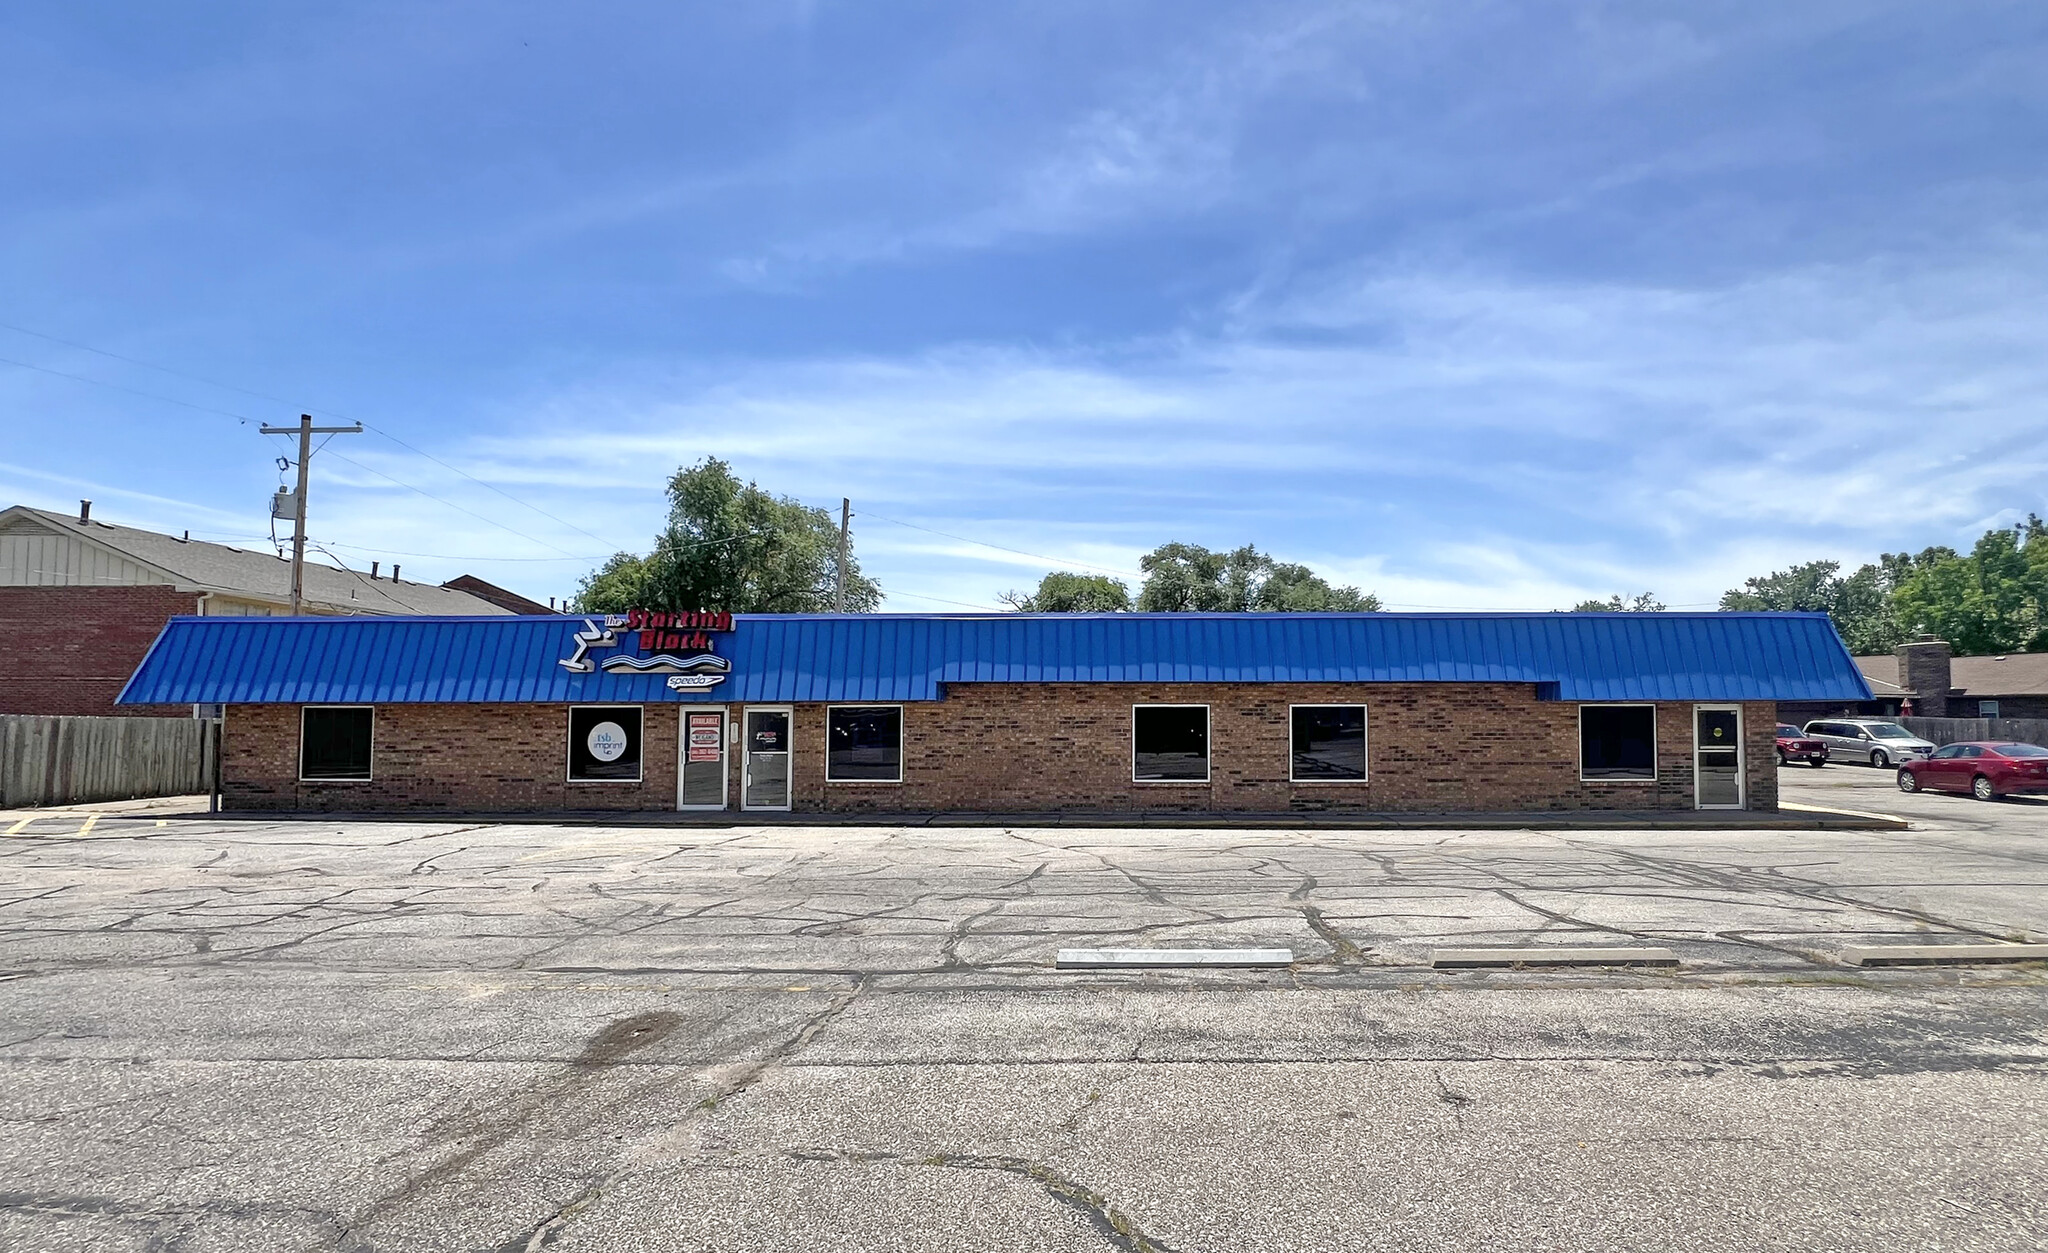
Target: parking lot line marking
1941,954
1153,958
1828,809
1480,958
16,828
91,821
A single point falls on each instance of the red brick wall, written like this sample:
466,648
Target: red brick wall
1430,747
1020,748
70,650
487,758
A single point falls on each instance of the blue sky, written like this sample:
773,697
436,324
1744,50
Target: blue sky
1490,306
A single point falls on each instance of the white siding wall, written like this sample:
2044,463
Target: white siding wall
37,558
228,607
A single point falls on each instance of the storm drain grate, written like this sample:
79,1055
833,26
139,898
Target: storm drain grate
1487,958
1941,954
1156,958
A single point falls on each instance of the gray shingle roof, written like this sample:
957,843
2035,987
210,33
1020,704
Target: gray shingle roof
238,571
2015,674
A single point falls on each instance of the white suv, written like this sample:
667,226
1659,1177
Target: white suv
1873,740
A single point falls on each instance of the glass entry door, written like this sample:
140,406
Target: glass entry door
702,782
765,781
1717,756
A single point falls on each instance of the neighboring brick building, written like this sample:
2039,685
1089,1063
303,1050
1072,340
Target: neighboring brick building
1014,713
1923,679
81,600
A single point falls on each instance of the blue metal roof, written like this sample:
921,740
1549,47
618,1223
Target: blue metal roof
910,657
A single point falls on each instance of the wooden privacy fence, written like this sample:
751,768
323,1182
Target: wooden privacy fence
1957,730
64,761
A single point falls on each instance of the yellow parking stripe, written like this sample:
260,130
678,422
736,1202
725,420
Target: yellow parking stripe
16,828
89,821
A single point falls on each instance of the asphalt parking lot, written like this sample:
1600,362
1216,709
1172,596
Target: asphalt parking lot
249,1034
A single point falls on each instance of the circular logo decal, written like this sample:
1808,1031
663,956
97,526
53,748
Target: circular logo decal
607,741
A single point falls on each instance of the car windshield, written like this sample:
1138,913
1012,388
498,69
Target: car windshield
1790,732
2019,750
1890,731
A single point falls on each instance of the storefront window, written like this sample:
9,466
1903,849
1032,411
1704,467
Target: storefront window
864,743
604,744
334,742
1328,743
1170,743
1618,742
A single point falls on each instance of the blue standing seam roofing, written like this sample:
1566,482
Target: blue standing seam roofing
911,657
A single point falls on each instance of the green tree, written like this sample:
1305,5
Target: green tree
733,547
1645,603
1995,600
1187,578
1860,606
1064,592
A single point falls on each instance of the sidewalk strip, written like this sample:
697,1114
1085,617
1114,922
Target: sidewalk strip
1486,958
1154,958
1941,954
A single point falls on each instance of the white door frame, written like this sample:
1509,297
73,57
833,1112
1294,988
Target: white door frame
1741,757
724,754
746,756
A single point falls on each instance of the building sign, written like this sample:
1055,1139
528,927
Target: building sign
706,736
607,741
674,644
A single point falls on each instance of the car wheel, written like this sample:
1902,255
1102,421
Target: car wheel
1880,758
1783,760
1980,787
1907,783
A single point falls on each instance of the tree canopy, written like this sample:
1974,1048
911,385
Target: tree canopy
1187,578
1994,600
732,547
1065,592
1644,603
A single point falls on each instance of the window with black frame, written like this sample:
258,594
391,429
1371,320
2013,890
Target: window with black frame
1617,742
1170,743
334,743
864,744
1327,743
604,744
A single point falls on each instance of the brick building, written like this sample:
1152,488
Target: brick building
1011,713
81,599
1922,678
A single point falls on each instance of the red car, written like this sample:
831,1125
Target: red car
1795,745
1986,771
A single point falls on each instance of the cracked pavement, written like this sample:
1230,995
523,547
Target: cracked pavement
242,1034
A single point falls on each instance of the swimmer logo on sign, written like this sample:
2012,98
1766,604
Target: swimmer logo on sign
655,630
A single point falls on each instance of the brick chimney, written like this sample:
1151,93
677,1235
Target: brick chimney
1924,671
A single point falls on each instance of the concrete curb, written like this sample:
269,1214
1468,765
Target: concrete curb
1518,958
1941,954
1663,820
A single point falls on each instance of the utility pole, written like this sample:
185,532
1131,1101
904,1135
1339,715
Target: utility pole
845,518
305,430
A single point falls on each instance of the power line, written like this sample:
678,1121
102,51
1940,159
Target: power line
452,505
244,419
940,600
389,552
367,582
1058,561
199,378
